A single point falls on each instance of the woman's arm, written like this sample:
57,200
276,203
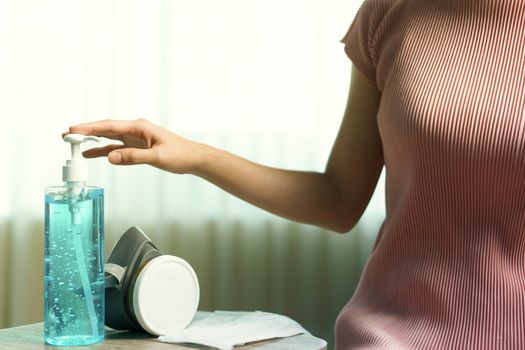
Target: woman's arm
334,199
356,159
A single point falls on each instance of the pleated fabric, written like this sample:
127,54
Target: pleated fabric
447,270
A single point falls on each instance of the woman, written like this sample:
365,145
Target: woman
437,96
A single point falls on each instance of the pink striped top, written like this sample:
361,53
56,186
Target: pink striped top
448,267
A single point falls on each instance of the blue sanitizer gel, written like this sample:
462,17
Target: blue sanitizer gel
74,265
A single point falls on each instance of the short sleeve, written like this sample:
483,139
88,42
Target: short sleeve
361,42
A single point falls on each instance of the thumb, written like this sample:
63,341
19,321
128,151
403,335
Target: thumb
131,156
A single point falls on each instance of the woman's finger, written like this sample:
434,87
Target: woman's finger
111,128
101,151
131,156
116,138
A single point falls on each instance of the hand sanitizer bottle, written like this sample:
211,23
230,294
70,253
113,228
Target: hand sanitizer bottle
74,255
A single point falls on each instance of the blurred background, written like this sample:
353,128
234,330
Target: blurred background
265,79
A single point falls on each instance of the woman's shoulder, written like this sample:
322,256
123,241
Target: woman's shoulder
374,12
369,33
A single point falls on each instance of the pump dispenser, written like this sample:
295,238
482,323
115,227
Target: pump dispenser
75,172
74,255
76,169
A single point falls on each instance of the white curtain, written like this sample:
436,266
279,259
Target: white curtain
265,79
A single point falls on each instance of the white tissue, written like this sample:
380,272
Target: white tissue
225,329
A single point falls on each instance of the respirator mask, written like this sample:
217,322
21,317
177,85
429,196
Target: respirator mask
148,291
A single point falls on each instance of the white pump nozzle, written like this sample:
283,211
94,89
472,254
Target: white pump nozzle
75,170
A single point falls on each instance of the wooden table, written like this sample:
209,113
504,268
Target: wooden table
31,337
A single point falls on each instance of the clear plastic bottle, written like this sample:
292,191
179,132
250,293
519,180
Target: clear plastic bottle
74,256
74,266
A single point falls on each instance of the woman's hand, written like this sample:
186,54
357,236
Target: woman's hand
143,143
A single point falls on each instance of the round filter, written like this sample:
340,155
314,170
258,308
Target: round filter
166,295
